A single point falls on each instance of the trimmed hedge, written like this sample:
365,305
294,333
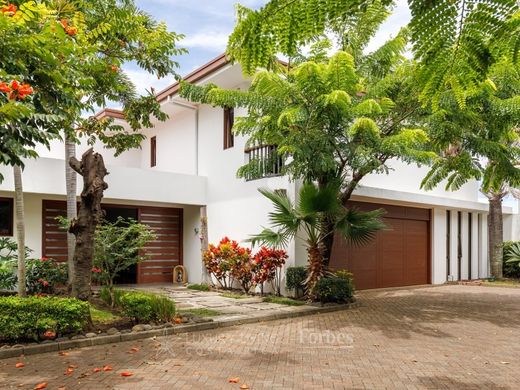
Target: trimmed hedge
338,287
28,318
294,279
145,307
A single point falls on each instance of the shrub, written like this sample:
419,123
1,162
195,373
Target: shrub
145,307
267,267
29,318
44,275
512,259
117,247
295,279
338,287
221,259
199,287
112,299
8,263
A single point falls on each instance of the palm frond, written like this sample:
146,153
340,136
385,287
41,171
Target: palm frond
359,227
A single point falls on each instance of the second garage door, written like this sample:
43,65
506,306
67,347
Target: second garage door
398,256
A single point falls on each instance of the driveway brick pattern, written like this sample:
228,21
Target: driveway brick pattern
449,337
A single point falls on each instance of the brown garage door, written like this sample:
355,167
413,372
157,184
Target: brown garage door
398,256
162,254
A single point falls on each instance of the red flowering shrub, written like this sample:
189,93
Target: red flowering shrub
15,90
44,275
9,9
267,267
226,261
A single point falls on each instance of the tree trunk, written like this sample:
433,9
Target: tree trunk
316,269
20,229
92,168
72,208
495,234
204,243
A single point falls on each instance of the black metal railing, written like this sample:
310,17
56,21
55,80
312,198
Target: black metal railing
263,161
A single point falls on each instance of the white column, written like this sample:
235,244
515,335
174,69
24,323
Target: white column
454,242
483,247
474,246
438,239
464,269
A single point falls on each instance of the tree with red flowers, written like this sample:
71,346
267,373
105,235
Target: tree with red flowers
71,54
268,263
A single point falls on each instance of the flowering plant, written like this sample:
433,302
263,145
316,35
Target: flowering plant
267,267
44,275
15,90
227,261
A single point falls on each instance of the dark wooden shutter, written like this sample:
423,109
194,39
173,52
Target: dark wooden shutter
229,120
153,151
166,251
54,238
6,216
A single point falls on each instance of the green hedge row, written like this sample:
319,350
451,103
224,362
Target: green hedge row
29,318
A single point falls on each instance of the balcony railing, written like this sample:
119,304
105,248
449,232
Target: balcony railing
263,161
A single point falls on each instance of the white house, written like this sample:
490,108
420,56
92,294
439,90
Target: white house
191,161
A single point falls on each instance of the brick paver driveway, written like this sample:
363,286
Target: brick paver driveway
450,337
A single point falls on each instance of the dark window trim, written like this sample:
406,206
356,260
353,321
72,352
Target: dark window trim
10,228
153,151
229,120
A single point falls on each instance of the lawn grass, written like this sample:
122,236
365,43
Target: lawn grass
284,301
201,312
199,287
234,295
502,283
102,316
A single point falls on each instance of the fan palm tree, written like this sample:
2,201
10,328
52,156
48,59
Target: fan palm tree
305,219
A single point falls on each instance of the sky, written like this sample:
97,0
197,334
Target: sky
207,24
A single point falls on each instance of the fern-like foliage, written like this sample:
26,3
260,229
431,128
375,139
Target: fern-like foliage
326,121
455,41
482,140
458,41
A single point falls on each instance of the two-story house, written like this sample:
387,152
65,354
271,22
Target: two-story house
191,161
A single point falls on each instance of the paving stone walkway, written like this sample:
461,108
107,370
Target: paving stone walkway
230,308
449,337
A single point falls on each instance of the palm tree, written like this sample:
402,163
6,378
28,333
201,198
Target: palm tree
305,219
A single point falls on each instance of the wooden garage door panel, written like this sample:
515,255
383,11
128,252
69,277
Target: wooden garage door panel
416,246
398,256
390,254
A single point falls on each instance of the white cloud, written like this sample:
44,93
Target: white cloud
144,80
207,40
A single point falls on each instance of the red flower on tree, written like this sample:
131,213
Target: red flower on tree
96,270
70,30
43,282
15,90
9,9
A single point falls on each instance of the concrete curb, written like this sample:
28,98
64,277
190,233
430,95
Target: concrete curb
298,311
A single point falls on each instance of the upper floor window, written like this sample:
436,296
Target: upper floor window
6,217
153,151
229,120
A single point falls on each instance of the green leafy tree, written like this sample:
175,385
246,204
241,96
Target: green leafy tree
305,219
118,246
71,53
328,124
481,140
455,41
